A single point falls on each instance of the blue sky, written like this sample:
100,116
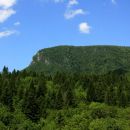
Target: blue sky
29,25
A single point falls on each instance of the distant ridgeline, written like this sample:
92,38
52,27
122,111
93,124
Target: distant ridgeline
82,59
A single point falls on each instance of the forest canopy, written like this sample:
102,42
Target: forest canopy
35,101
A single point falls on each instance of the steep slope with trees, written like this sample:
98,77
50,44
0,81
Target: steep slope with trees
90,59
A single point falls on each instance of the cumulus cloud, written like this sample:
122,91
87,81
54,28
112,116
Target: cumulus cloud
84,28
7,33
72,13
5,4
6,9
72,3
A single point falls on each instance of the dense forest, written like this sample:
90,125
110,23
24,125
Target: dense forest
64,101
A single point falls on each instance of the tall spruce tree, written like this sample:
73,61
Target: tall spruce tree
30,106
7,94
41,96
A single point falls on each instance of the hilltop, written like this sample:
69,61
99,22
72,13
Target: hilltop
83,59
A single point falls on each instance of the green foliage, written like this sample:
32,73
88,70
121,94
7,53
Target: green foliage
90,59
108,124
2,126
33,101
30,105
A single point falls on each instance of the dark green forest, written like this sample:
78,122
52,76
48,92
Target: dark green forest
64,101
80,59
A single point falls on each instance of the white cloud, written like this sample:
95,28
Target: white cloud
7,33
113,1
5,4
84,28
6,9
5,14
72,2
72,13
17,23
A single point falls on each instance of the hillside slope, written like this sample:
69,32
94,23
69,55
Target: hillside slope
90,59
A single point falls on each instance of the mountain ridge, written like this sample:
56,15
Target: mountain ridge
97,59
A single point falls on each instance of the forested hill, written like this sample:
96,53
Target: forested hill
90,59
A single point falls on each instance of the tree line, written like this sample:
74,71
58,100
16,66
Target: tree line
35,93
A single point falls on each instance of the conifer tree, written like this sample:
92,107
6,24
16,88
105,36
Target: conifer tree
59,99
123,99
5,72
41,96
111,96
91,93
30,106
69,98
7,94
